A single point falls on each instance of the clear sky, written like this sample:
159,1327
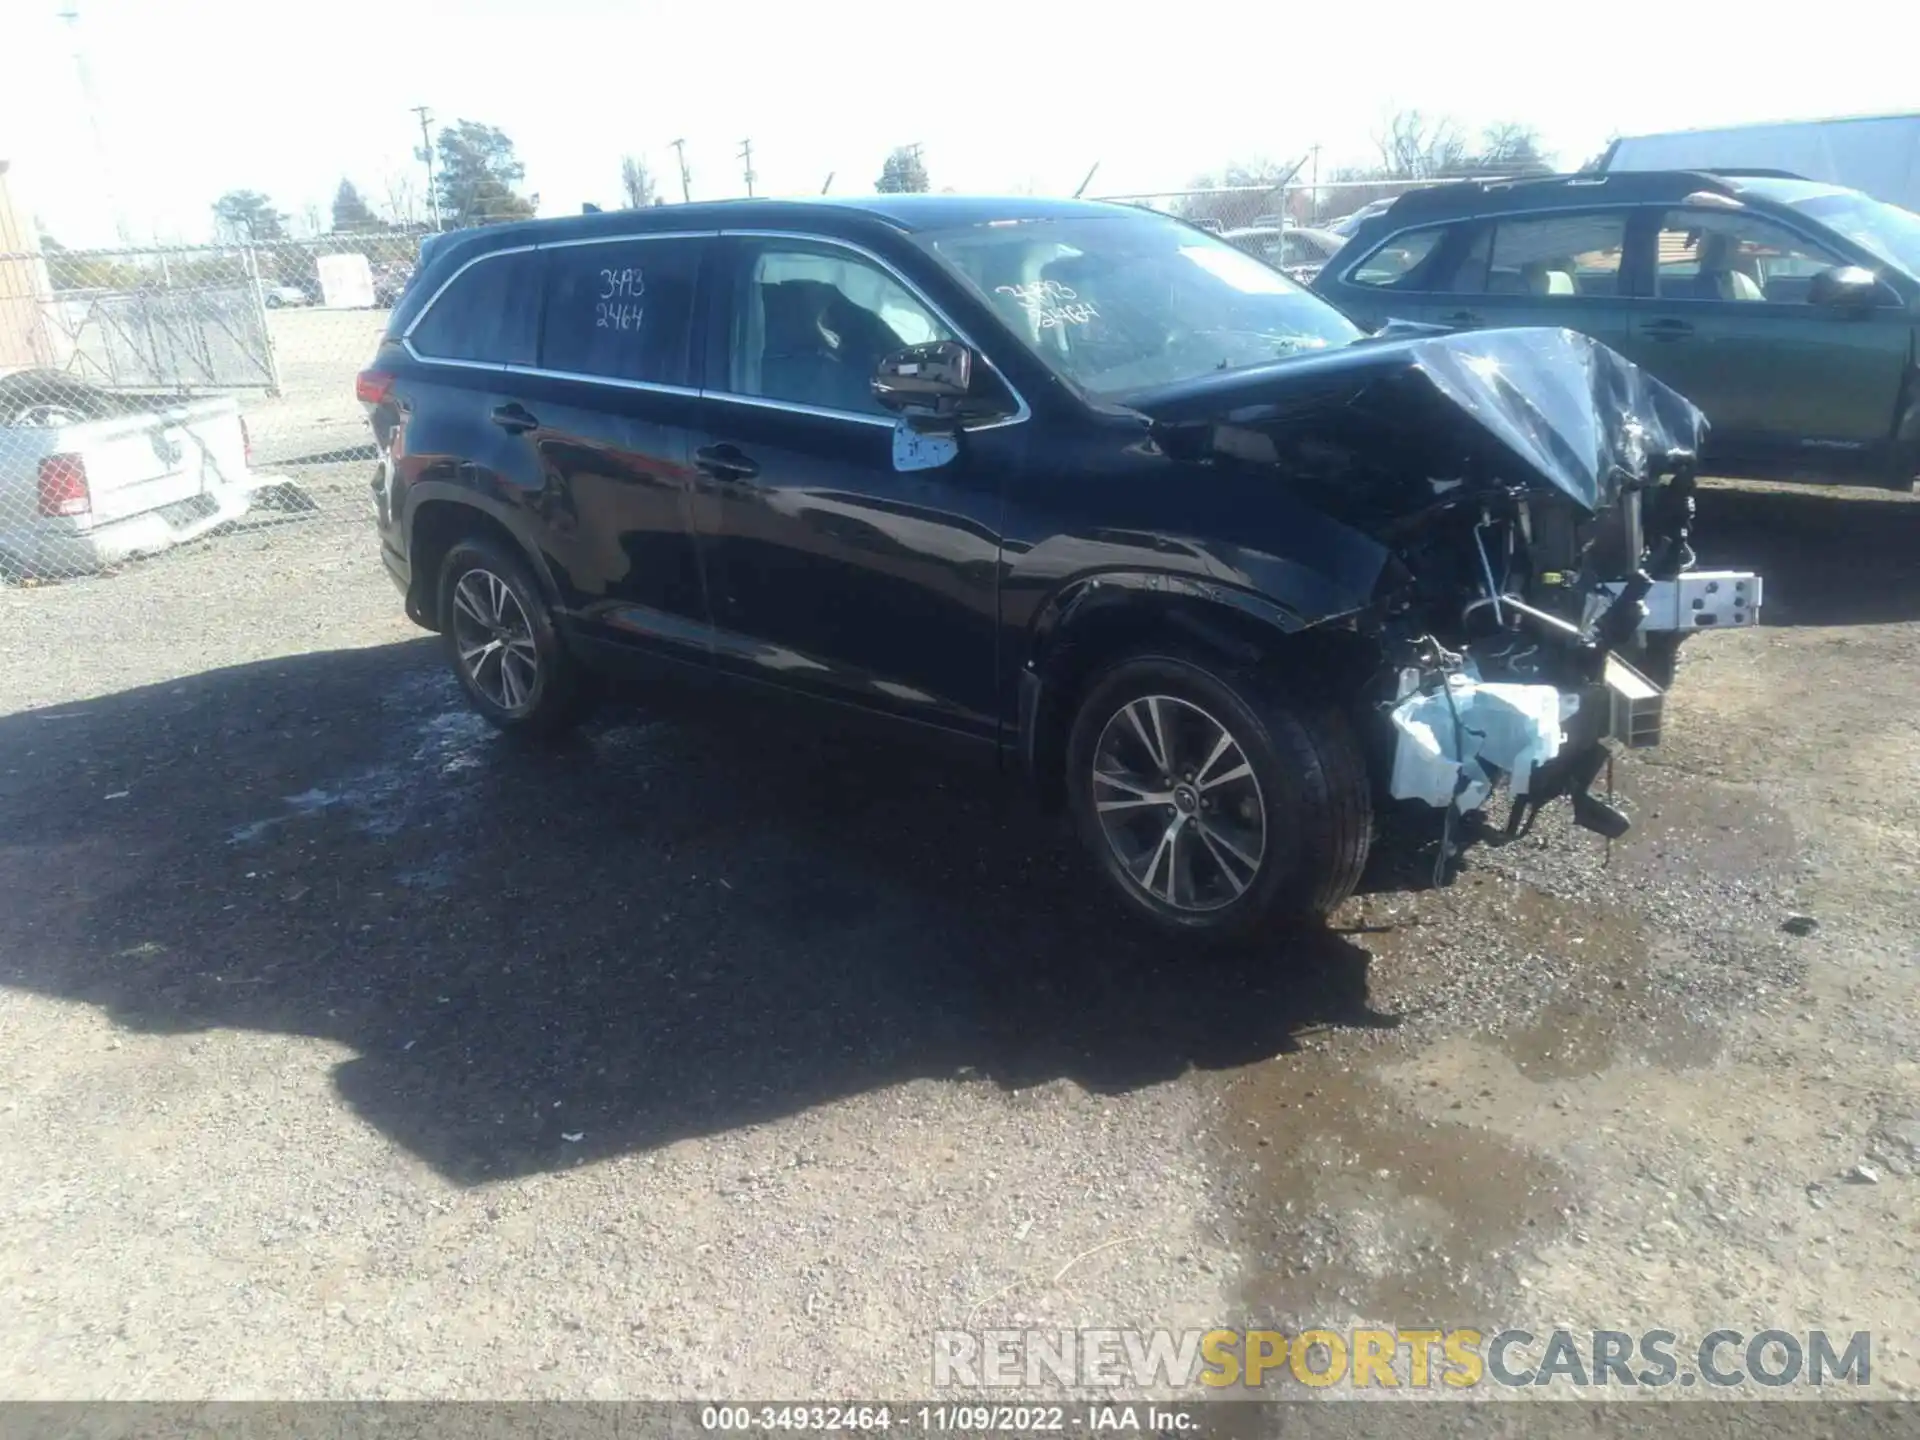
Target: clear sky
195,97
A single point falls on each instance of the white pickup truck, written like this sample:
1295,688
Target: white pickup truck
91,477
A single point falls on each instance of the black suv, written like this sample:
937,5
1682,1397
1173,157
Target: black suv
1080,483
1786,310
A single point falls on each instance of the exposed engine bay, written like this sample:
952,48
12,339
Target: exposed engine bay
1506,515
1555,652
1531,626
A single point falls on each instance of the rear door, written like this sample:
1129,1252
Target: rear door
1561,269
465,347
1722,316
607,411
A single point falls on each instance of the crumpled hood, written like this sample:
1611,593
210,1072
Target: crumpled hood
1382,428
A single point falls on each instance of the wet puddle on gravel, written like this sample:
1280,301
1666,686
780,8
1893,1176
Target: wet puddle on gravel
1354,1195
1354,1204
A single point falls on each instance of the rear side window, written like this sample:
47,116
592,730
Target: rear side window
488,315
1398,264
1564,256
621,310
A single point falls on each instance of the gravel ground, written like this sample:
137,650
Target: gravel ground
349,1051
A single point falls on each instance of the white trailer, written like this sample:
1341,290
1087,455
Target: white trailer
1876,154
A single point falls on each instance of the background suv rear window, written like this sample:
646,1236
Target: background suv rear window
620,310
487,315
1555,255
1397,265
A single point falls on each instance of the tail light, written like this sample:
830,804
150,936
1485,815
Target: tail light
63,486
373,387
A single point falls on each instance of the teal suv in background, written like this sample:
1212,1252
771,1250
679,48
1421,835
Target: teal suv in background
1786,310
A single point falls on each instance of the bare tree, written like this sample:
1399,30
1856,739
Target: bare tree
1416,146
1510,146
248,217
903,173
403,200
637,183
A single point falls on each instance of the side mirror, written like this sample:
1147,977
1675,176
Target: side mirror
933,386
1846,287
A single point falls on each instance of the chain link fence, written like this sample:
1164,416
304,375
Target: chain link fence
154,398
1296,227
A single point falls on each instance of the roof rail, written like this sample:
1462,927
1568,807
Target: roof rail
1648,184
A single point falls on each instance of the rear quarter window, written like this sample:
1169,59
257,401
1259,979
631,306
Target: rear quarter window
1400,263
487,315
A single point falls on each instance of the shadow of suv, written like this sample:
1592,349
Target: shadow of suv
1785,309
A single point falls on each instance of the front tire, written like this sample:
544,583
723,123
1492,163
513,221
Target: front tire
1213,805
500,638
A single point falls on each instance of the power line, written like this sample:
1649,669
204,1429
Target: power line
686,178
426,154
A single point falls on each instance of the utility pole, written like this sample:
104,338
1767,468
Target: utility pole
1313,214
109,172
746,156
426,154
686,180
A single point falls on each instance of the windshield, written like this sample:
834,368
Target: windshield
1888,231
1120,302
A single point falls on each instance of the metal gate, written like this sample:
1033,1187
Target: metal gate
185,320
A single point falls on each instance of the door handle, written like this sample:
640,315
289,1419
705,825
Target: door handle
515,418
1666,329
1462,319
725,462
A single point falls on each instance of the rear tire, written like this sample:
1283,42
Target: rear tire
500,639
1213,805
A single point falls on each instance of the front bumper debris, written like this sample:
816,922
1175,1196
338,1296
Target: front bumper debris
1697,600
1456,740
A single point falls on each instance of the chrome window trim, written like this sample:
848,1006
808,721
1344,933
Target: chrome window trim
1021,413
653,387
796,408
626,235
1345,276
434,299
1346,271
492,366
406,336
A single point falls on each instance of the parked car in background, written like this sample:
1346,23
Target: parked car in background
91,477
278,296
1078,483
1345,225
390,281
1297,250
1785,309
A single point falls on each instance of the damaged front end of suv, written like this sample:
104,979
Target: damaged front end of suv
1525,498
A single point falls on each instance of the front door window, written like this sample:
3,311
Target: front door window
810,326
